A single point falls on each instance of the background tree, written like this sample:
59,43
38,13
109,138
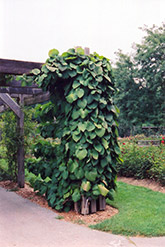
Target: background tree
140,79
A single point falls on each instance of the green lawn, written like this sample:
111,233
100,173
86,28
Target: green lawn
141,212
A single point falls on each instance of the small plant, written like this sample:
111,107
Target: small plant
79,221
59,217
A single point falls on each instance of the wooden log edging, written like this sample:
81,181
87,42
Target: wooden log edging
89,205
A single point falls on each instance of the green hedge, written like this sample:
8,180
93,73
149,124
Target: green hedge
142,162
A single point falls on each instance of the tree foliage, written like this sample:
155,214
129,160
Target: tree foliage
141,81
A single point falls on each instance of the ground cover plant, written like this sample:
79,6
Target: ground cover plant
82,116
141,212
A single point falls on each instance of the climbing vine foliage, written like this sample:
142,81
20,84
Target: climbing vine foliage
79,151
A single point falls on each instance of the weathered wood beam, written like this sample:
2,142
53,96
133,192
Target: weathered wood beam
14,90
37,99
11,103
20,151
17,84
3,108
16,67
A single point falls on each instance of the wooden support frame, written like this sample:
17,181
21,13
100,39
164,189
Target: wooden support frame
14,89
11,103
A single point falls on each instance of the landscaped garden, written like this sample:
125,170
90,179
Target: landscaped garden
73,152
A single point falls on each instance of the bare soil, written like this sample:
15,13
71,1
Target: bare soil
28,193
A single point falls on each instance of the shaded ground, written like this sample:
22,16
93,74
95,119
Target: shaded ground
72,216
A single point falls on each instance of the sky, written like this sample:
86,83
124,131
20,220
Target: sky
30,28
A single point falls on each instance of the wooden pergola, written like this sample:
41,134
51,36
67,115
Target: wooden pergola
13,96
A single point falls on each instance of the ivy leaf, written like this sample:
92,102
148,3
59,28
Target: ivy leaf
76,84
75,114
75,137
117,149
35,71
105,143
71,97
50,68
73,166
83,113
82,126
82,103
80,50
72,73
80,92
90,126
94,154
79,173
53,53
81,154
86,186
91,176
104,162
92,135
98,147
109,117
76,195
93,105
100,132
103,190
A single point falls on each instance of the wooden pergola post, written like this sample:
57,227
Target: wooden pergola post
20,151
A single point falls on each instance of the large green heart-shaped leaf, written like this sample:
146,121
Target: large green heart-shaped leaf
76,195
90,126
53,53
75,114
105,143
117,149
71,97
73,166
81,154
109,117
104,162
75,137
75,84
82,126
80,92
79,173
92,135
91,176
36,71
82,103
100,132
86,186
103,190
94,154
98,147
83,113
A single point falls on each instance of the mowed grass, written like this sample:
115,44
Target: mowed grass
141,212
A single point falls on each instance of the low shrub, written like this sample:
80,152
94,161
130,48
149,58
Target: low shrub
142,162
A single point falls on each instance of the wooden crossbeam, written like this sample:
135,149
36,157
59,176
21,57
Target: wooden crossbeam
15,90
16,67
37,99
11,103
17,84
